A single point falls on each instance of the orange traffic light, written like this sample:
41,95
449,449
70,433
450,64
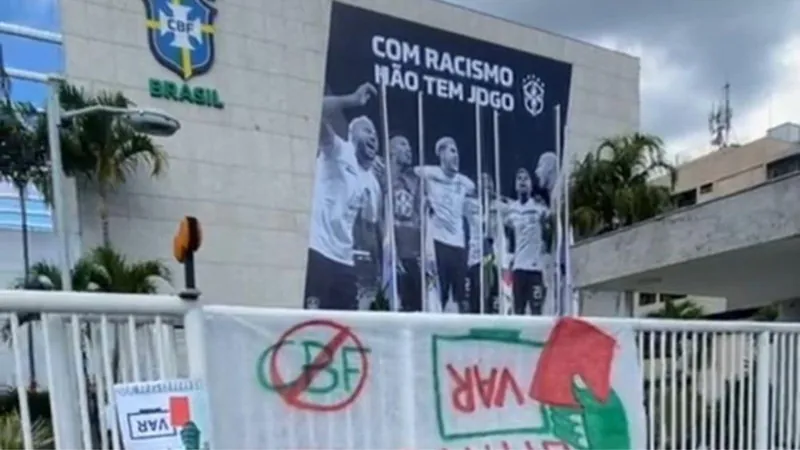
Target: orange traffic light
188,238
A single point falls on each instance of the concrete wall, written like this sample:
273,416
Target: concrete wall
710,305
741,247
730,169
246,171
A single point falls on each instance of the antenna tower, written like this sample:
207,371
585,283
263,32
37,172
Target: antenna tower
719,120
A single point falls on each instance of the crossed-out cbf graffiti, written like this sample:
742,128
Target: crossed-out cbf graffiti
312,373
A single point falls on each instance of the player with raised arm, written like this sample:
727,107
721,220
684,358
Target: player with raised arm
527,217
446,191
344,187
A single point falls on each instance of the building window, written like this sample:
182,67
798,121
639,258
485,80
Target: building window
783,166
647,298
706,188
38,213
685,198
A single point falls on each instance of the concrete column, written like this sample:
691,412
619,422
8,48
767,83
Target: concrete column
606,304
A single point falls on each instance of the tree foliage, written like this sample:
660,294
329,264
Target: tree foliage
103,269
610,188
101,148
23,157
12,436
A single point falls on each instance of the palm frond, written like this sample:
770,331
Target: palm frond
22,157
610,187
11,435
46,274
112,272
103,269
98,147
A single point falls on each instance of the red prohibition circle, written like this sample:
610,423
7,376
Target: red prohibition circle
293,393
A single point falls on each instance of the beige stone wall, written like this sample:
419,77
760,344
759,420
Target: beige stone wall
246,171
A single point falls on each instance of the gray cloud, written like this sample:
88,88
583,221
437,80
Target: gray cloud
715,40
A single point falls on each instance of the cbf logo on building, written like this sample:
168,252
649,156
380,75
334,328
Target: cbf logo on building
181,36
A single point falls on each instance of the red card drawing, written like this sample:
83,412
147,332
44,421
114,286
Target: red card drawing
179,413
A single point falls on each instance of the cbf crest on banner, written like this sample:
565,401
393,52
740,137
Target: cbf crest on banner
533,94
181,35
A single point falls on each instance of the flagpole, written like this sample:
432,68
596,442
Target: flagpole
569,294
557,289
423,218
500,237
479,154
390,196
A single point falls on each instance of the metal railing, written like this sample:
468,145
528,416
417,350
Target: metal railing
89,342
719,384
707,384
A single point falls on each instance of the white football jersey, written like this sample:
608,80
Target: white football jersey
526,220
446,195
342,188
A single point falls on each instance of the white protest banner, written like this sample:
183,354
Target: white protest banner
170,414
302,380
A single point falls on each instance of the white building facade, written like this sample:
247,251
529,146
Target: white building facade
243,161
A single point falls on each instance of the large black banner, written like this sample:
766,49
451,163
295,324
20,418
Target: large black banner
435,167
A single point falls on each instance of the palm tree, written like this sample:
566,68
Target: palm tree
47,276
112,272
102,149
103,269
21,161
610,188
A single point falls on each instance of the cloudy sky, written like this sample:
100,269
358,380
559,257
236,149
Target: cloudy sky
688,50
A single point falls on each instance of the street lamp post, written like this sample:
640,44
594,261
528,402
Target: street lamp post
148,121
57,182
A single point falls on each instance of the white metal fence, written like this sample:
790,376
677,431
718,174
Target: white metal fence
720,385
87,342
709,385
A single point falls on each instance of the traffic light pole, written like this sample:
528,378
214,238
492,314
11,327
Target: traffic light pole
186,242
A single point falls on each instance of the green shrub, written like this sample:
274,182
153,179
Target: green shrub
11,435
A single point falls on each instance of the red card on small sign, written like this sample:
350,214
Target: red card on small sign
179,413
